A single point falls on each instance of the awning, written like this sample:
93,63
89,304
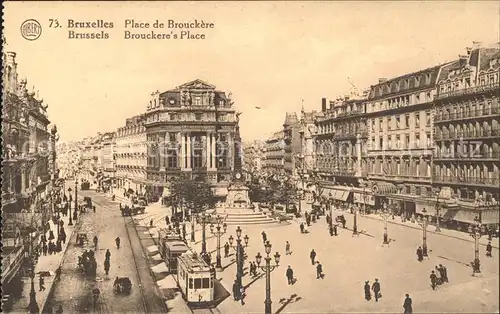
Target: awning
343,195
366,198
385,188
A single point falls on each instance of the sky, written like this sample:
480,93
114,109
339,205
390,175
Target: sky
273,55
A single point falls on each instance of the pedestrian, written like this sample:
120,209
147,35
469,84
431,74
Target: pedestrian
236,291
343,222
51,235
335,229
287,248
42,283
289,275
264,236
117,241
488,249
407,305
368,294
50,248
167,220
444,273
44,249
93,208
439,277
420,254
106,266
226,249
319,271
376,290
302,227
312,255
108,254
433,280
151,224
242,295
59,309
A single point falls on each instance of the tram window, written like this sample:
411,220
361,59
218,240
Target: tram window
190,283
206,283
211,282
197,283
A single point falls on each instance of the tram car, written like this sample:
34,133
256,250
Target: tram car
196,279
171,251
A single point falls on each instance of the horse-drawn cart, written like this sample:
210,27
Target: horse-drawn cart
122,285
88,264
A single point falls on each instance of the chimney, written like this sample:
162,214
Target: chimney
476,44
382,80
346,97
469,50
463,59
10,58
323,104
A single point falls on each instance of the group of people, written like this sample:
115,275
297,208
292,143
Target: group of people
375,288
440,277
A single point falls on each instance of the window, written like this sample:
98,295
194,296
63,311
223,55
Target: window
197,116
172,137
197,283
389,122
417,120
172,116
407,141
380,124
417,141
389,143
429,142
172,158
398,123
407,121
428,118
381,143
398,141
417,81
206,283
197,101
190,283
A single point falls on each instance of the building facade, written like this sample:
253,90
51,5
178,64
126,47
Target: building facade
274,154
341,149
467,137
27,170
292,144
108,160
253,157
130,154
192,132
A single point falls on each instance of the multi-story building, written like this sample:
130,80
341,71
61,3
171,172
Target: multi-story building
292,144
130,154
252,157
108,159
307,133
341,149
274,154
193,132
467,137
400,144
27,159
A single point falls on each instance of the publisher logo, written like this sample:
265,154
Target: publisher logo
31,29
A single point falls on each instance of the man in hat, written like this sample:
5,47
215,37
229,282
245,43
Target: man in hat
289,275
407,305
376,289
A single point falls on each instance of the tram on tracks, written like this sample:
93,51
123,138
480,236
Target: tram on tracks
170,246
196,279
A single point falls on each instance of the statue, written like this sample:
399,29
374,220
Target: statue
211,99
238,116
206,99
184,98
229,100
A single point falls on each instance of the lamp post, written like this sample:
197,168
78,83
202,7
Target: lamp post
423,222
329,204
239,255
203,219
268,268
216,231
438,211
192,225
476,232
33,305
70,223
75,213
385,215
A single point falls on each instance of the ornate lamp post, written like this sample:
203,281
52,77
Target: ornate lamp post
218,233
33,305
438,210
239,255
203,219
192,226
268,268
424,222
329,204
385,215
476,232
75,213
70,223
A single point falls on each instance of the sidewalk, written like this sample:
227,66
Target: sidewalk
46,264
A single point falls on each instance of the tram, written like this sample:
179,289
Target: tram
170,246
195,278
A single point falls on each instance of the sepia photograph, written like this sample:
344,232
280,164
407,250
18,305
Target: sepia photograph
270,157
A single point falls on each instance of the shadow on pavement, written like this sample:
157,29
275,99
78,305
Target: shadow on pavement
286,301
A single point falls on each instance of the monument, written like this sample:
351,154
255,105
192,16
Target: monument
237,194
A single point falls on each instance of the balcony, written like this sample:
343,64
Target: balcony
466,156
460,180
344,173
471,114
399,177
492,133
467,91
351,134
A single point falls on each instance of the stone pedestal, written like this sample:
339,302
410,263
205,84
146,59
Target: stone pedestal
237,197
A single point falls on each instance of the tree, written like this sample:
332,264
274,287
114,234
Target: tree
196,195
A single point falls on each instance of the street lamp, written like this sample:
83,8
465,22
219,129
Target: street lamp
423,222
75,213
329,204
476,232
438,210
70,223
218,233
239,254
33,305
268,268
385,215
203,219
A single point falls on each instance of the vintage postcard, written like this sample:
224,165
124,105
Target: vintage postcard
250,157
